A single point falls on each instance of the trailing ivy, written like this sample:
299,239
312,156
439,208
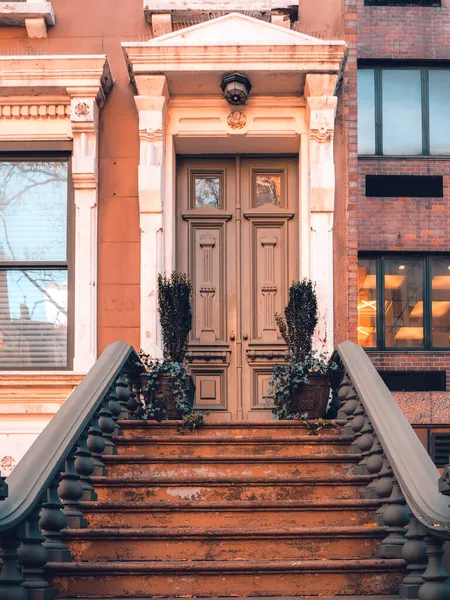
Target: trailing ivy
287,378
155,407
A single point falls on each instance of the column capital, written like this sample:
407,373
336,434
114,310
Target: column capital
320,84
152,85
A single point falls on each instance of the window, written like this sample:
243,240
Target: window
402,111
440,449
404,302
33,264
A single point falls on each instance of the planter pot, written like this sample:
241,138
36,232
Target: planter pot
168,400
312,397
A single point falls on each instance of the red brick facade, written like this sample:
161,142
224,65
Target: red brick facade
395,224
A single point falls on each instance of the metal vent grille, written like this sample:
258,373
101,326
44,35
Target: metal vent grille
440,448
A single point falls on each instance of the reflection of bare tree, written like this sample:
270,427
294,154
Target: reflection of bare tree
17,181
207,191
268,189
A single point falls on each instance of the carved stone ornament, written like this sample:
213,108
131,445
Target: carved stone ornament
237,120
82,109
321,135
7,464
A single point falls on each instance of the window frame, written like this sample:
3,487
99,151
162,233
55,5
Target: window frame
54,155
427,258
424,69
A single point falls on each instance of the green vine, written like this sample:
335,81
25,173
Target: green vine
155,402
287,378
155,407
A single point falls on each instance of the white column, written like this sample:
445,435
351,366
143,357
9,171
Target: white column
321,111
151,104
84,117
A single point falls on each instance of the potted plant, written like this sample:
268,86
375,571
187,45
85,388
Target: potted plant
302,385
167,388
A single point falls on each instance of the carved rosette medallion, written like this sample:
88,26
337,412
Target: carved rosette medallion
237,120
82,109
7,464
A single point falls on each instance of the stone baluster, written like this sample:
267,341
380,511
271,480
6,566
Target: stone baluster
350,408
357,424
364,443
85,467
134,403
347,399
396,516
33,556
414,552
11,577
374,465
96,445
52,521
123,394
383,486
70,492
115,408
436,584
107,426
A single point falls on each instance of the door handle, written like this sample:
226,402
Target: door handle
245,336
232,335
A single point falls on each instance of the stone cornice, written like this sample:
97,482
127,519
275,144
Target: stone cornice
62,75
145,59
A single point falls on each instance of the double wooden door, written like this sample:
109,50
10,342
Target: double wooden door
237,237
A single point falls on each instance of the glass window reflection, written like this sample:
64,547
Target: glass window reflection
367,305
440,302
403,294
402,111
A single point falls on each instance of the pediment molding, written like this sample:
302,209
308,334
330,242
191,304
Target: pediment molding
236,29
233,42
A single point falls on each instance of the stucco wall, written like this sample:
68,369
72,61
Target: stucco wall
98,27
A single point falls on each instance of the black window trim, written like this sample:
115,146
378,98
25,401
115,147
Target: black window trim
424,68
427,294
404,3
54,155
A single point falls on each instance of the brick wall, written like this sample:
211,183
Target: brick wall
403,224
404,31
350,29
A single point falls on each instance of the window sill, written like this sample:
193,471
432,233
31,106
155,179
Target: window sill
35,16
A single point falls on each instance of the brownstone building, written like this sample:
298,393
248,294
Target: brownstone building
115,129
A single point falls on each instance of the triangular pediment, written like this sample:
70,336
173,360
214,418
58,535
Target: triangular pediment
236,29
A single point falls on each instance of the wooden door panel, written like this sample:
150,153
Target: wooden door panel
239,245
206,250
270,233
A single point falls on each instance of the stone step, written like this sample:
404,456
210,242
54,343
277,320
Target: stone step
365,597
230,514
204,491
225,578
236,429
205,446
122,465
203,543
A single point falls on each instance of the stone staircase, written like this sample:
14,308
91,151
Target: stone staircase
234,510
